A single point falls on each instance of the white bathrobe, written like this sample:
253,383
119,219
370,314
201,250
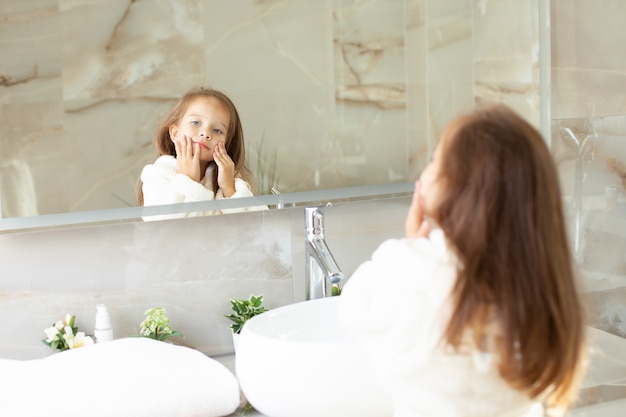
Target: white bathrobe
398,306
163,184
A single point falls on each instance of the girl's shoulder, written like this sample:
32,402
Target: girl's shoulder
166,161
163,162
164,165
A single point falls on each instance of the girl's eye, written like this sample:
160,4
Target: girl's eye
218,131
195,122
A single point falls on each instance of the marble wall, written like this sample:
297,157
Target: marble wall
589,141
191,267
367,96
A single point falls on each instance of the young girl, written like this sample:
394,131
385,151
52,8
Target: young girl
479,316
202,154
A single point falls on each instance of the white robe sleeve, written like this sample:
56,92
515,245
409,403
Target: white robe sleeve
242,189
395,303
162,184
190,189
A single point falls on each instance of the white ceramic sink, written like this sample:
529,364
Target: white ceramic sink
298,360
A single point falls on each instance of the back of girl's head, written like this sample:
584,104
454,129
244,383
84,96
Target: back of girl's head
502,212
499,176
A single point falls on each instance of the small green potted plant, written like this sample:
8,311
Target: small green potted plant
157,325
244,310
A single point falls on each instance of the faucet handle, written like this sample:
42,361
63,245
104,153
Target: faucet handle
314,218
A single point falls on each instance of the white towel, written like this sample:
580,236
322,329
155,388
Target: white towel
133,377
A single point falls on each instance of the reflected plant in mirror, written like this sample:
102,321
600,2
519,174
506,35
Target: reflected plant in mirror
265,167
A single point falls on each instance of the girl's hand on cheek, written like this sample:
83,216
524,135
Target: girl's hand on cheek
415,226
188,158
225,170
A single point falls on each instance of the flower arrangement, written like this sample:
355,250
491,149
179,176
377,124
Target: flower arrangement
243,310
156,325
64,335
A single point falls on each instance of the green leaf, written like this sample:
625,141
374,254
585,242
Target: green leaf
243,310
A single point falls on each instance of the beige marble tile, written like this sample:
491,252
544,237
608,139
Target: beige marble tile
588,65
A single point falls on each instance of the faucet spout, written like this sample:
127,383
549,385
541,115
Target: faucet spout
322,271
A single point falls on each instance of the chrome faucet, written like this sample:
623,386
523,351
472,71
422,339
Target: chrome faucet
322,272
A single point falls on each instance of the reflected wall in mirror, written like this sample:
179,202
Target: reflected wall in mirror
331,93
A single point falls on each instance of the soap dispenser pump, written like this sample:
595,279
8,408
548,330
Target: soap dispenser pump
103,332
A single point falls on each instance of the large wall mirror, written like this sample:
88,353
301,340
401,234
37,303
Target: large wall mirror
331,93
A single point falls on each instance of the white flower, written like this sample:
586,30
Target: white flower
59,325
81,340
52,334
76,341
68,336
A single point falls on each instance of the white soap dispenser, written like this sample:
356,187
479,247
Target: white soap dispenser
103,332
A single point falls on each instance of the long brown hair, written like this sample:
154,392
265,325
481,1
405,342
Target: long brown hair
235,146
502,212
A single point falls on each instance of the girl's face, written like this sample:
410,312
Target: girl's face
431,186
206,123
